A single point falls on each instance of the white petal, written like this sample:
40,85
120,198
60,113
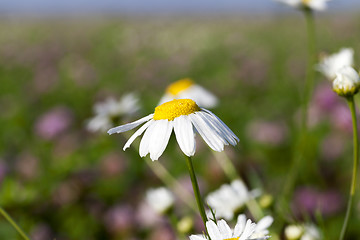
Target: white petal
194,237
145,141
213,231
160,138
166,98
248,230
200,95
224,229
137,133
206,133
129,126
185,135
222,126
240,225
264,223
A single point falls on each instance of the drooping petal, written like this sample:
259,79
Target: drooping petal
160,138
223,126
206,133
137,133
185,135
145,141
129,126
213,231
224,229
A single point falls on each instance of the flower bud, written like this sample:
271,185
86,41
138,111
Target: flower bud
347,82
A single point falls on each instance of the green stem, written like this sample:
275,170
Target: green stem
13,223
196,190
351,104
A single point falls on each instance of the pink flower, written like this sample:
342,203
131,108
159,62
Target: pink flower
53,123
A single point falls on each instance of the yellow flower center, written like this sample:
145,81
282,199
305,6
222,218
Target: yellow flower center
175,108
306,2
237,238
179,86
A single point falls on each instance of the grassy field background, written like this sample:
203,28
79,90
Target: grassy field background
73,184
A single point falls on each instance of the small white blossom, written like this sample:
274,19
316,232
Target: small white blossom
186,88
318,5
347,82
160,199
109,109
229,198
329,65
302,232
244,229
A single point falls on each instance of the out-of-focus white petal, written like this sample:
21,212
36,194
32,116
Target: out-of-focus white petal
224,229
213,231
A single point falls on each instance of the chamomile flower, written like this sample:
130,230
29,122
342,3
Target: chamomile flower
329,65
302,232
110,109
244,230
229,198
347,82
186,88
160,199
317,5
185,117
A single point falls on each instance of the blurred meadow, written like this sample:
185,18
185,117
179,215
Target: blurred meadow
60,181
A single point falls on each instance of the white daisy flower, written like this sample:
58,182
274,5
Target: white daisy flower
185,117
244,230
347,82
187,89
318,5
229,198
329,65
160,199
302,232
110,109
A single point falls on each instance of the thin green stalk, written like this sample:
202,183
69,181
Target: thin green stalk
301,143
13,223
196,190
230,171
351,104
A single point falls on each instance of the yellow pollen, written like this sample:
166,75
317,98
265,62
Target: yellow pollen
179,86
175,108
237,238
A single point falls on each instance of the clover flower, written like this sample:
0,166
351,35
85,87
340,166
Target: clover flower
347,82
244,230
160,199
110,109
185,117
318,5
329,65
187,89
229,198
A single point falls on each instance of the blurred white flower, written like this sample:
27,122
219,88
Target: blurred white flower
329,65
302,232
318,5
182,115
229,198
160,199
110,109
347,82
186,88
244,229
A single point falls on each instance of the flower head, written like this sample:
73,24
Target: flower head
329,65
229,198
244,230
160,199
182,115
347,82
110,109
302,232
186,88
317,5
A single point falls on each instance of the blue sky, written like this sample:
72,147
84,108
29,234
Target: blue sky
155,6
